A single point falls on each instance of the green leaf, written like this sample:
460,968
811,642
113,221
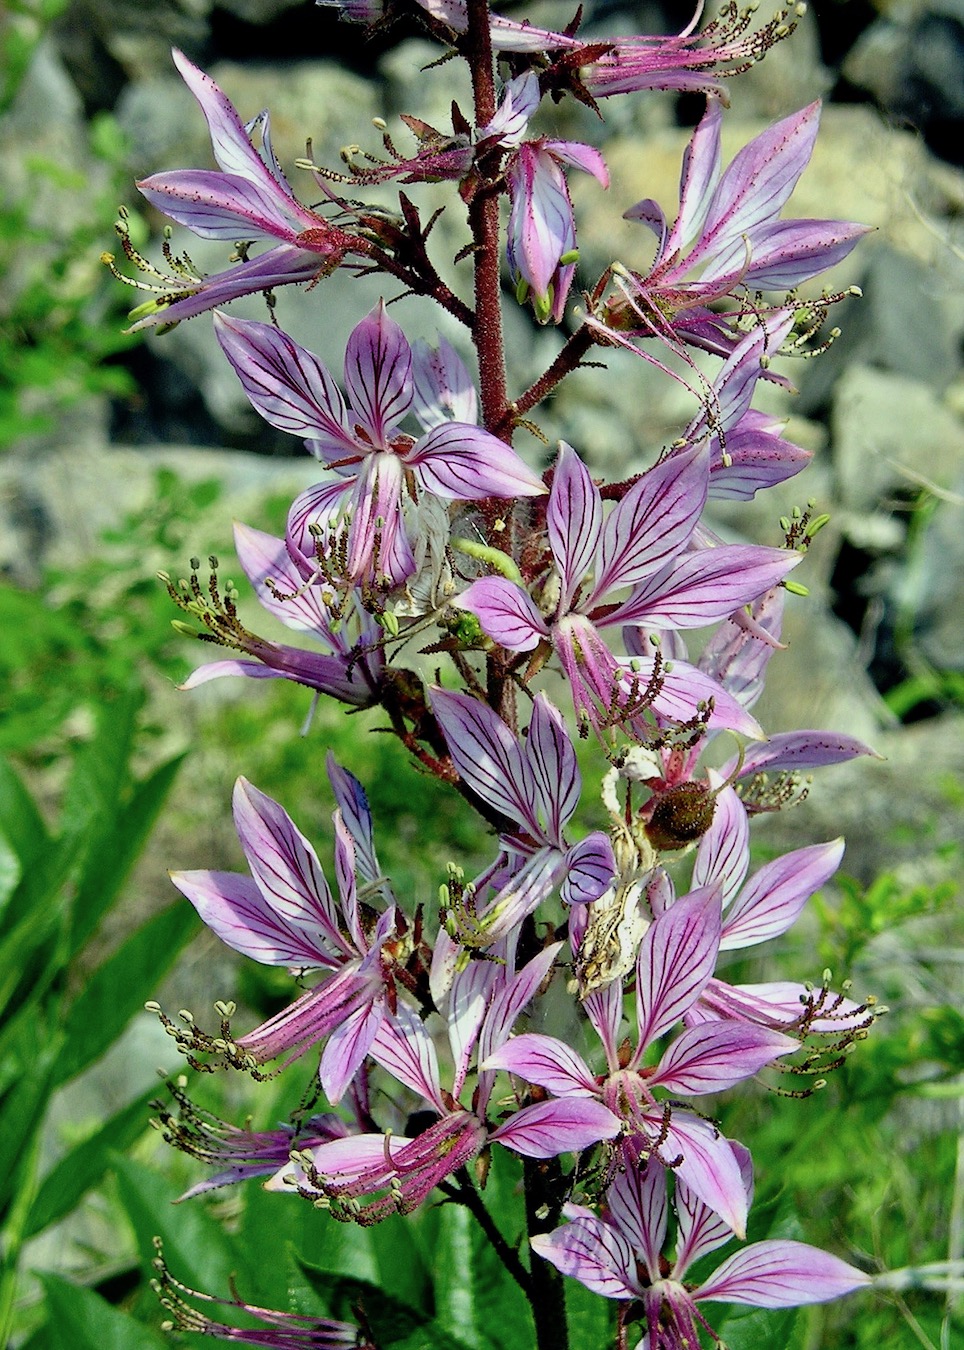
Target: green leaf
395,1325
754,1328
85,1165
196,1249
21,824
591,1319
121,985
82,1320
22,1110
118,847
101,769
474,1292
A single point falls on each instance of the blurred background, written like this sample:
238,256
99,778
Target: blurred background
123,455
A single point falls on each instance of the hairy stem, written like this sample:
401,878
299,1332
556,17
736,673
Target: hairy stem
568,359
484,225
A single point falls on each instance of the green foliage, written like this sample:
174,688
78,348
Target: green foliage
59,318
100,626
61,1008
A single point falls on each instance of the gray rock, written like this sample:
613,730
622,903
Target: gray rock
890,435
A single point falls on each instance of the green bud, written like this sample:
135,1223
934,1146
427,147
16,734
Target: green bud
501,562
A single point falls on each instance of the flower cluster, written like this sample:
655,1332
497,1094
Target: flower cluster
428,533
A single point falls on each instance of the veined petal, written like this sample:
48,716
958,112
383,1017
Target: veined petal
781,1274
590,867
723,855
443,388
546,1061
704,586
464,462
701,1230
653,522
403,1047
487,756
567,1125
229,138
709,1167
506,613
280,266
593,1253
676,958
638,1207
579,156
756,458
347,1047
775,895
233,907
509,1002
551,761
541,226
789,252
265,558
357,816
378,375
684,689
717,1056
794,750
218,205
284,864
699,177
757,182
574,521
287,384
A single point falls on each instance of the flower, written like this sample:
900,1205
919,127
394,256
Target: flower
249,199
369,1175
360,439
728,229
639,545
284,914
535,785
676,958
285,582
620,1256
273,1329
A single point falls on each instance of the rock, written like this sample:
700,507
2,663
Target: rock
890,435
55,506
907,321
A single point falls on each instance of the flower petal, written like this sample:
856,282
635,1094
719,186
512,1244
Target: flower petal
378,375
464,462
564,1126
781,1274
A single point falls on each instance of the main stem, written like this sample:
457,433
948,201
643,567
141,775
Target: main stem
484,225
547,1297
487,325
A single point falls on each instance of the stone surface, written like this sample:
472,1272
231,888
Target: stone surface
891,435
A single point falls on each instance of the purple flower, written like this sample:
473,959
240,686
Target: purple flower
273,1330
284,914
238,1154
676,959
542,230
360,438
746,451
282,579
370,1175
535,786
728,231
620,1256
248,199
640,545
